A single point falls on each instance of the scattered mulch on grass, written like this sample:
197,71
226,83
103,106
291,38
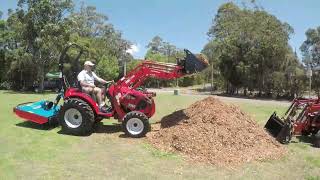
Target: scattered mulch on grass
214,132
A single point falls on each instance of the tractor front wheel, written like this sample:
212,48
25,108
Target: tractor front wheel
76,117
316,141
135,124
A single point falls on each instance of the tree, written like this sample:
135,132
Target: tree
88,22
92,30
11,54
108,68
311,47
162,51
311,54
133,64
168,50
213,72
34,35
3,47
155,44
42,30
251,44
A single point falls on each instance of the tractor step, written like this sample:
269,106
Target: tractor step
40,112
278,129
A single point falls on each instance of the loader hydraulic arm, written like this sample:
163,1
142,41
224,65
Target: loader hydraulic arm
151,69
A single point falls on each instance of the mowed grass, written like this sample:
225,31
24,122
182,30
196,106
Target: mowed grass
29,152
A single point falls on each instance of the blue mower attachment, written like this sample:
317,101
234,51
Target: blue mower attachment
40,112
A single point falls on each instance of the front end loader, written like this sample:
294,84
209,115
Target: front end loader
301,118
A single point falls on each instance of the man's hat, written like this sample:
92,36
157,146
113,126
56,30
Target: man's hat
88,63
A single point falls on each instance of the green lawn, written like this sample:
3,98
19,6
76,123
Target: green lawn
29,152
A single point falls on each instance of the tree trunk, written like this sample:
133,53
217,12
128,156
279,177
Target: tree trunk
211,77
41,78
21,77
227,87
261,77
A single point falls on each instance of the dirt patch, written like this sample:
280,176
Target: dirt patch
214,132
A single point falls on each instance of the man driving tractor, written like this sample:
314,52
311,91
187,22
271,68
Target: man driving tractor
87,80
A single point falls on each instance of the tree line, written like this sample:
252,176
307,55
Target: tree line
249,52
248,48
33,36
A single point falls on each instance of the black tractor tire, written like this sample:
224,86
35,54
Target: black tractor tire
316,140
76,117
136,124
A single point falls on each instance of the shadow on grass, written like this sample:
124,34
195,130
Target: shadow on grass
252,97
70,134
108,129
307,140
173,119
29,92
304,139
311,140
32,125
100,128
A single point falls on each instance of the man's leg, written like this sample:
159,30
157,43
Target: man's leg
103,94
97,92
87,90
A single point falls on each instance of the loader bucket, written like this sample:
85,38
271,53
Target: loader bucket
193,63
40,112
278,129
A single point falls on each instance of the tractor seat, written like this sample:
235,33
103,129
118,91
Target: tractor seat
90,94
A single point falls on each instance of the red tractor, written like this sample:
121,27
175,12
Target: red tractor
129,105
302,118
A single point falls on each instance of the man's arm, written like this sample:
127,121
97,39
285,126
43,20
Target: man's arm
100,80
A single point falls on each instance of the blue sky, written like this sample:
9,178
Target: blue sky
185,23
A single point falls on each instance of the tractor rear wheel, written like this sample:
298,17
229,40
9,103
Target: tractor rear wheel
316,141
76,117
135,124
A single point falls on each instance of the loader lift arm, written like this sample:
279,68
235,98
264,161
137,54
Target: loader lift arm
151,69
189,65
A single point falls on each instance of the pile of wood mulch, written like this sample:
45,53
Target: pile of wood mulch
214,132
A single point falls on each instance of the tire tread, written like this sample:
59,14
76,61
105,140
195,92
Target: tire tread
85,110
139,115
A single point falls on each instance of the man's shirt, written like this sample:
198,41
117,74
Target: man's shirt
87,77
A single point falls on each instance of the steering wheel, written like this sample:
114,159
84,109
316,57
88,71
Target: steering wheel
108,84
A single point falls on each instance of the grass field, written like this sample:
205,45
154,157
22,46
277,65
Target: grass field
29,152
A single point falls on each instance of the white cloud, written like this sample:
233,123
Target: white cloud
133,49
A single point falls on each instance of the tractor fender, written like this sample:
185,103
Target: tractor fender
85,98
